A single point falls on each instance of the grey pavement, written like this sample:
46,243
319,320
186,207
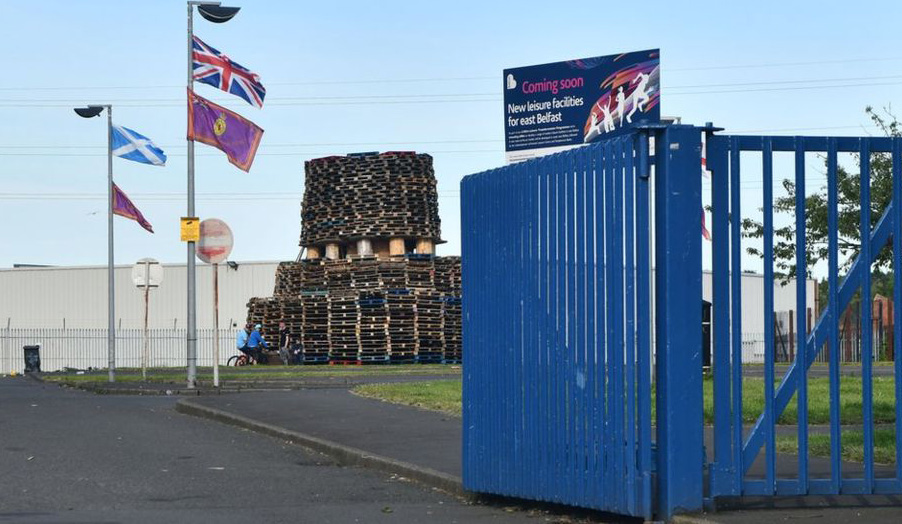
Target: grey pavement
401,442
416,438
71,456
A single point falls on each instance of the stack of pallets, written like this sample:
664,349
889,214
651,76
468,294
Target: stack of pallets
368,310
315,326
429,327
369,195
373,327
344,345
452,342
402,336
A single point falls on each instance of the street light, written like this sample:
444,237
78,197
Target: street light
91,112
213,12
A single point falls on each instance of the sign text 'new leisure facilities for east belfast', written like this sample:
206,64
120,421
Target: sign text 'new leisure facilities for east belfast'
553,107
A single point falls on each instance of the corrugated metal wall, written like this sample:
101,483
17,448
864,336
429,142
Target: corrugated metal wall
76,297
753,299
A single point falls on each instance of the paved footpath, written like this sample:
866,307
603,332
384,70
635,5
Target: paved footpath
68,456
425,446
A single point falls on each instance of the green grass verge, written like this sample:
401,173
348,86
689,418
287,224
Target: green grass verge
753,399
439,395
170,375
445,396
852,445
818,401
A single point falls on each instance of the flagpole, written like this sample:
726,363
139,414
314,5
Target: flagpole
224,15
192,290
111,334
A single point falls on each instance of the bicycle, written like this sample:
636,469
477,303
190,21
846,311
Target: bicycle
241,360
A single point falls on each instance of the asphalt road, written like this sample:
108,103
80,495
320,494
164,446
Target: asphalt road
74,457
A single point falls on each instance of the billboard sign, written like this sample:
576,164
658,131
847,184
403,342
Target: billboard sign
553,107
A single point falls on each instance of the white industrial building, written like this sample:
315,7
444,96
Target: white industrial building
64,309
76,297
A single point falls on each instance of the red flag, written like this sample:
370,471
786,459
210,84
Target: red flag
123,207
705,233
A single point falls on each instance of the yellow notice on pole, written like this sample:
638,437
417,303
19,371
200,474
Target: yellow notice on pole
190,229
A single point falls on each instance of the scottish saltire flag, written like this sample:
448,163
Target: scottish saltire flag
225,130
135,146
214,68
123,207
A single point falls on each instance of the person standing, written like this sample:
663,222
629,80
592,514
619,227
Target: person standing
284,343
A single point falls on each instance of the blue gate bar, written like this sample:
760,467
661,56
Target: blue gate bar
615,262
591,412
570,319
721,475
643,315
770,475
601,428
678,277
801,316
835,315
866,325
897,297
561,344
544,328
788,143
630,323
736,316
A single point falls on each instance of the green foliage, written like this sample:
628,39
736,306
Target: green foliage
849,211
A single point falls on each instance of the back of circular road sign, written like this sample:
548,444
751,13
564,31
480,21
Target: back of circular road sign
215,241
147,272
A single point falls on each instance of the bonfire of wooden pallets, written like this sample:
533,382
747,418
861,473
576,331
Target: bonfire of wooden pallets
360,307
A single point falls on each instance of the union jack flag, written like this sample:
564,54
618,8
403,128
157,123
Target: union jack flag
218,70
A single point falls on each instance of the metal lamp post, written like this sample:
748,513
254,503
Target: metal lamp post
90,112
213,12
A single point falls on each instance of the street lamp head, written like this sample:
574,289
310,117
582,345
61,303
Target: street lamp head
217,14
89,112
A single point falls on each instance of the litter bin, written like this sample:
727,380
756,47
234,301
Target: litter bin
32,359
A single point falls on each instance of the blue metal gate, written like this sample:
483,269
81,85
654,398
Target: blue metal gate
736,449
557,312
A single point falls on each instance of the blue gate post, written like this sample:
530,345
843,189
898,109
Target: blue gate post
678,297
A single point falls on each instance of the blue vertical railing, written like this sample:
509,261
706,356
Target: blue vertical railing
557,327
735,450
559,306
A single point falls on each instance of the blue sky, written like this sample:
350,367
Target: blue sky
362,76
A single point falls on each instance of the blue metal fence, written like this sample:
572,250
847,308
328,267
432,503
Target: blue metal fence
559,312
736,450
557,327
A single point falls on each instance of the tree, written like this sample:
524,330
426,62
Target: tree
849,191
